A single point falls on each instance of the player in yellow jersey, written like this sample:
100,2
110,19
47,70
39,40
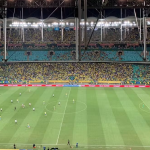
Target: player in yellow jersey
73,100
45,114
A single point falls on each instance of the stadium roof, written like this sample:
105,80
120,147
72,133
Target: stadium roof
92,4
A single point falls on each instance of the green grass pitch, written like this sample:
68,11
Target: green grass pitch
100,118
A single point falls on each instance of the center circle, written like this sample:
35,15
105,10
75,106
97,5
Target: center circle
71,108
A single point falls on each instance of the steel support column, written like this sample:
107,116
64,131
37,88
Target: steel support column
121,25
140,25
76,38
4,32
79,16
62,34
42,23
85,25
144,33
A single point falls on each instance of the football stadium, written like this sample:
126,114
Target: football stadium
75,74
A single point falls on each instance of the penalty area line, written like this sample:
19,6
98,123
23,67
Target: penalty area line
143,102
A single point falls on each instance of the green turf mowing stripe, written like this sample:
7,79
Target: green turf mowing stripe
8,107
5,90
53,130
11,128
80,122
93,128
43,121
94,124
110,127
140,96
138,122
134,116
141,118
126,128
10,94
67,126
32,117
144,95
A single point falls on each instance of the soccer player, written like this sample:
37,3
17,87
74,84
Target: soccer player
28,125
53,95
54,107
0,117
20,94
68,142
59,103
73,100
14,146
29,104
15,108
1,109
23,106
33,109
15,121
17,101
11,101
66,94
43,102
45,114
143,105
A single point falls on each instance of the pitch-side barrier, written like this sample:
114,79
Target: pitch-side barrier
55,85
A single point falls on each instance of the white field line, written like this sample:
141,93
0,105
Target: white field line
79,145
66,113
143,102
63,118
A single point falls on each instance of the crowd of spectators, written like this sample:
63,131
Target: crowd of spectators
64,48
34,35
75,72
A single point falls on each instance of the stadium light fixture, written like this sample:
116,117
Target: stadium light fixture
140,1
122,1
11,0
29,1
